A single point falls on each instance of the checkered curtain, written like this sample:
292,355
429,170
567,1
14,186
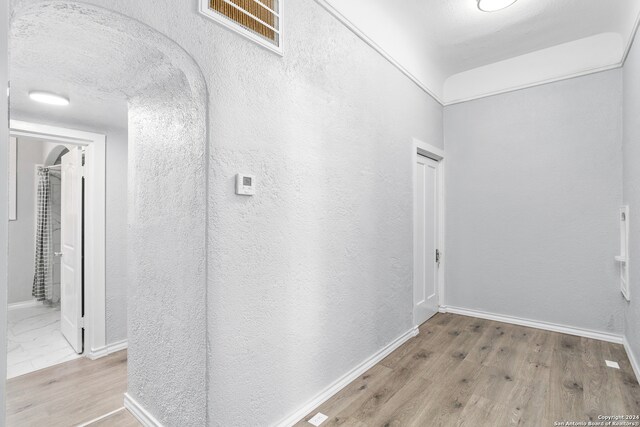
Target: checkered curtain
42,277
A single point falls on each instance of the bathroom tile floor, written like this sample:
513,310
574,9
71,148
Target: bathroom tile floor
34,340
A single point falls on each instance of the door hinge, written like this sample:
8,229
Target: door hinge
438,256
82,322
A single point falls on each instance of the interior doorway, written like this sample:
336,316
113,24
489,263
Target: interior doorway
156,224
57,287
428,231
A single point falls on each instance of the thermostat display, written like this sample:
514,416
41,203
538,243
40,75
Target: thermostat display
245,184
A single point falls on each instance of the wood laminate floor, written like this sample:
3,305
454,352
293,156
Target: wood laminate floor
71,394
463,371
459,371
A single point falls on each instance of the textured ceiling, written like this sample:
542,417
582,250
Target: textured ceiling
466,38
47,53
435,39
87,111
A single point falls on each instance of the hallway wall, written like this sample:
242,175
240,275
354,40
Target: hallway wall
534,184
631,151
327,129
313,275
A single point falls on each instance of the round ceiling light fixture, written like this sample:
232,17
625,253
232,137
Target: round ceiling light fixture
48,98
494,5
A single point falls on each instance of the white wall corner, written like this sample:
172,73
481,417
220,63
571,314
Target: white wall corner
347,378
632,358
536,324
436,95
142,415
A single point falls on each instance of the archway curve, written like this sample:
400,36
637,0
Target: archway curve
109,55
55,154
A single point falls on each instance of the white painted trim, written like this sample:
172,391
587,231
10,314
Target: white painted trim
23,304
428,150
586,72
95,221
347,378
351,26
101,417
438,154
547,326
107,350
538,83
632,358
137,410
229,23
13,179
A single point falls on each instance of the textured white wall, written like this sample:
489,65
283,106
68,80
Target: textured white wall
328,132
533,188
99,52
313,274
631,150
22,231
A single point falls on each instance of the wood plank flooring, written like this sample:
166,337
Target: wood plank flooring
463,371
459,371
122,418
71,394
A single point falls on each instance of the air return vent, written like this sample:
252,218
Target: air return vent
257,20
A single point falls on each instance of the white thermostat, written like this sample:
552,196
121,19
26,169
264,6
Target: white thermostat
245,184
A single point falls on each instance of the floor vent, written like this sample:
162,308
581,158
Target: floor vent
611,364
318,419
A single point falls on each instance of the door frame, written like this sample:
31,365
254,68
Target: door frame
95,224
437,154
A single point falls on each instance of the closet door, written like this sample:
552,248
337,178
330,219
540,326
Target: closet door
71,274
427,255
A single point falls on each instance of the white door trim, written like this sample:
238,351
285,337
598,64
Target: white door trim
95,221
435,153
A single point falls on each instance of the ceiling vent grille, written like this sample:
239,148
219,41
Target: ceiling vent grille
257,20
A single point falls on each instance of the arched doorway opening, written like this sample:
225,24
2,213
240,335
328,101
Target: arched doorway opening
94,53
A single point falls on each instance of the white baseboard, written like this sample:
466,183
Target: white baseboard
107,350
632,359
23,304
554,327
101,417
140,414
347,378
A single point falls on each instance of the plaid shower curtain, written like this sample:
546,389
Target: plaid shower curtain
42,277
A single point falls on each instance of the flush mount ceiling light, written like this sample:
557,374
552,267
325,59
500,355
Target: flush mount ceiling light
494,5
48,98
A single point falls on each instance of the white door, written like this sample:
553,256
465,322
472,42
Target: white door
426,259
71,273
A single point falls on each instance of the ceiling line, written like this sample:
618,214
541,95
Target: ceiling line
634,32
538,83
351,26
